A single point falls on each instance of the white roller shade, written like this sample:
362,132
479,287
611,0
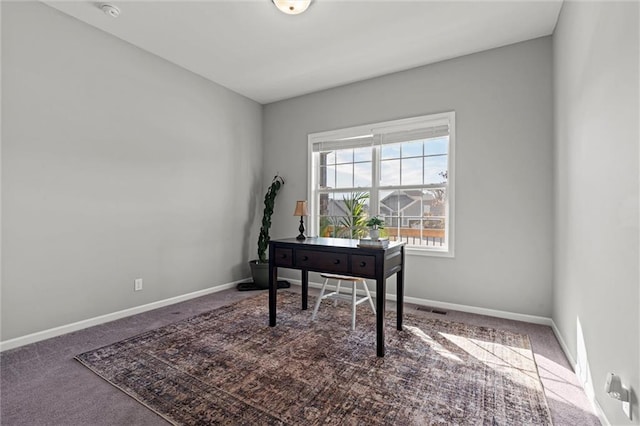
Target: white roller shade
332,145
414,135
387,135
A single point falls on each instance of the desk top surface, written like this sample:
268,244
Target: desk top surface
333,242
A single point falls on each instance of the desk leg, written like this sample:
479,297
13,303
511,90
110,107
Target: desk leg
400,291
273,287
400,297
380,309
305,289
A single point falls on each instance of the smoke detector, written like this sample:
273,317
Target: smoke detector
110,10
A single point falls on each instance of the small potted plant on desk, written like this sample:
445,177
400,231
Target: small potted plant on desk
375,224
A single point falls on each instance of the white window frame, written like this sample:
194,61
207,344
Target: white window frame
371,130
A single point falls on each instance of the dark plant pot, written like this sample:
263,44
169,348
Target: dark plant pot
260,273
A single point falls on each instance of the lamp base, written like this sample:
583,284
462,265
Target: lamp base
301,229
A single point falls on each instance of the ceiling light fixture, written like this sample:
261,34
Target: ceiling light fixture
292,7
110,10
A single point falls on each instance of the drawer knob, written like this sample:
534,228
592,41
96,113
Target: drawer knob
305,257
336,262
363,264
283,256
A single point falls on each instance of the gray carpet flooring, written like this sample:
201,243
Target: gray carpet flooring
41,383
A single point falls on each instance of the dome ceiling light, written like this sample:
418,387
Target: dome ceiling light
292,7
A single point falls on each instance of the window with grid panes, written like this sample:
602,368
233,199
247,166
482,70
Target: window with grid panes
400,171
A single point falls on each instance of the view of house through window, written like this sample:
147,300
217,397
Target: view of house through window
400,171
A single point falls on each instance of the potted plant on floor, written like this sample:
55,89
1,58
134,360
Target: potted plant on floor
375,224
260,266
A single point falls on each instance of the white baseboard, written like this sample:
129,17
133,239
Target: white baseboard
563,345
589,391
453,306
534,319
68,328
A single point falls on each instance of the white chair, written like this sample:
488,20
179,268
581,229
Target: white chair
335,294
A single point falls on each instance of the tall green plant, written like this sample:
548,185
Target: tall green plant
355,224
269,203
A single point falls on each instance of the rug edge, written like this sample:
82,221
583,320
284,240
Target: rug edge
188,318
125,391
544,393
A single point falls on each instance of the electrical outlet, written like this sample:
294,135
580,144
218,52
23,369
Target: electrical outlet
137,284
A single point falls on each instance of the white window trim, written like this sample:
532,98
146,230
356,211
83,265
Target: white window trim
405,124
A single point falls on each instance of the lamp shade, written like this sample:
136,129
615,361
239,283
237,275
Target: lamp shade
292,7
301,208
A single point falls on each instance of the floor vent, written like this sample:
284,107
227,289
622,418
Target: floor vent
430,309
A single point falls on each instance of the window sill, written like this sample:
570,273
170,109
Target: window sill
416,251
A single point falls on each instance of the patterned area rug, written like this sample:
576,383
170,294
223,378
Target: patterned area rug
228,367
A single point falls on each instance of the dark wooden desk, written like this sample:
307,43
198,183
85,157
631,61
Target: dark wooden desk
339,256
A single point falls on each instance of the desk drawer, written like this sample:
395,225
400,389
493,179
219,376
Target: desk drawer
283,257
364,266
323,261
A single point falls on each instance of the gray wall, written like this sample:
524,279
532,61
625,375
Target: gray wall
504,193
596,279
115,165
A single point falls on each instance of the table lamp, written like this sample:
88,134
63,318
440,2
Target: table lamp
301,210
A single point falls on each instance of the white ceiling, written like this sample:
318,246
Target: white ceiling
252,48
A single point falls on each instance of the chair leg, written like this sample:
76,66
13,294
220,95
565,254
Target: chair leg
315,309
335,302
353,305
366,289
